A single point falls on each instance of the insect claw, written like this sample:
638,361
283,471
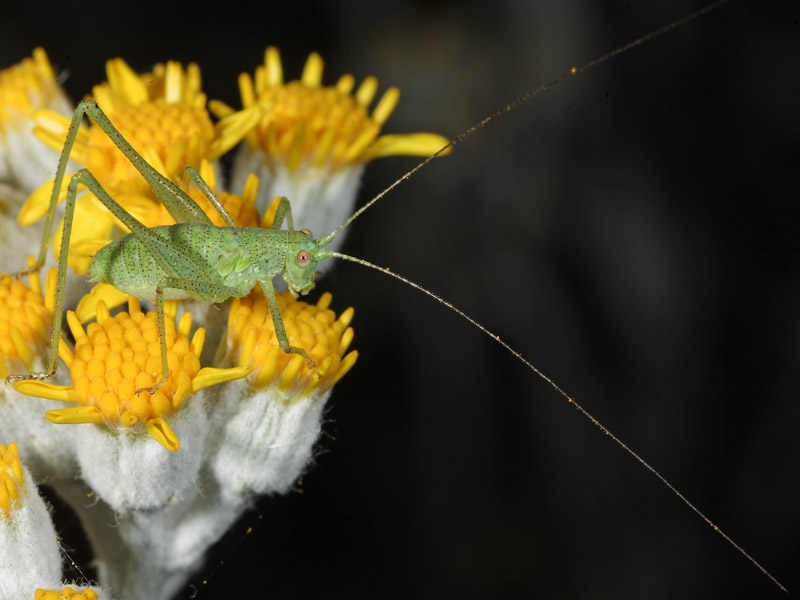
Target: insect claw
12,379
154,389
313,366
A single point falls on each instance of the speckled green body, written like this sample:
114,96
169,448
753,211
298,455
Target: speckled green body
220,262
192,259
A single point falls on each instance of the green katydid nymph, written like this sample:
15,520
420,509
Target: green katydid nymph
195,259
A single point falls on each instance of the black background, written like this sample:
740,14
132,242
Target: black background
633,232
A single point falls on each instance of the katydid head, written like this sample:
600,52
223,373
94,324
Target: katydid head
301,260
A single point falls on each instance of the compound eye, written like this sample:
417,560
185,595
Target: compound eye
303,258
307,232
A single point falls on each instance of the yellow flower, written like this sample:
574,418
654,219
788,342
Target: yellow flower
161,114
25,88
313,142
116,359
313,327
313,125
268,425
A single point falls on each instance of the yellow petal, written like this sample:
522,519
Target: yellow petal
209,376
75,415
386,105
312,71
38,203
161,432
124,82
43,389
272,63
407,144
87,307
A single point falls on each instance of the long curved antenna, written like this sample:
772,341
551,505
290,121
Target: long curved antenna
567,397
325,240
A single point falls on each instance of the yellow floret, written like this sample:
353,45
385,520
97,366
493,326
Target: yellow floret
117,360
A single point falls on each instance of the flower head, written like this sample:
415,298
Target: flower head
162,115
114,363
25,88
252,341
268,426
313,142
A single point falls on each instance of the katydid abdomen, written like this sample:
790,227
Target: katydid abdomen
222,262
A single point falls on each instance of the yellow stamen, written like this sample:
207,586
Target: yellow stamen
117,358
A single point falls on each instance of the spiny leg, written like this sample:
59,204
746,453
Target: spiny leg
81,177
179,204
280,329
284,210
211,196
69,142
200,290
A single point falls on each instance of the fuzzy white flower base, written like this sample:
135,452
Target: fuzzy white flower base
266,444
154,513
29,553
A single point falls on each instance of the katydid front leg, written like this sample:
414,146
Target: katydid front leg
280,330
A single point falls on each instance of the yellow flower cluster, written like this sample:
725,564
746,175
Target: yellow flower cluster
239,440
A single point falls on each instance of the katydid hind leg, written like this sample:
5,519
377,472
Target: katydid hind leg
61,280
177,202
